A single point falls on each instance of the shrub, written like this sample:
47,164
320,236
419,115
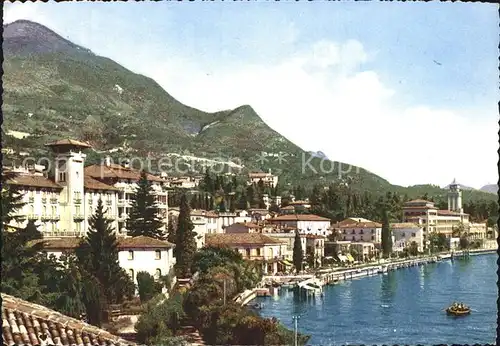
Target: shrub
147,286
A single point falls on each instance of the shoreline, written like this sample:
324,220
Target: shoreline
335,275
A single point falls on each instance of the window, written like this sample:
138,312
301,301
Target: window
131,255
373,231
62,176
158,274
157,254
54,210
247,252
78,227
373,237
258,252
131,273
361,232
413,234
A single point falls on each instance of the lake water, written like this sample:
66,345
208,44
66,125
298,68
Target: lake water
402,307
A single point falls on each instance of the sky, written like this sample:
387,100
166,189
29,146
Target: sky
408,91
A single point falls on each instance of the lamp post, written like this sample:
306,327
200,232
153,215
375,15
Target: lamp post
296,319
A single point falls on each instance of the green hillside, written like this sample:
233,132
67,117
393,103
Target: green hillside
54,88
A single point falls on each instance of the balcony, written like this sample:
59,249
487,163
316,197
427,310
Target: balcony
109,203
44,200
54,200
46,217
63,234
78,217
55,217
33,217
31,199
121,202
78,201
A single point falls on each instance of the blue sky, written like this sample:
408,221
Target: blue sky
406,90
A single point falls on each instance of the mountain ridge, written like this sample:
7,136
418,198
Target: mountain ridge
54,88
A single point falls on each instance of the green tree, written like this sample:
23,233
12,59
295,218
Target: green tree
185,239
298,255
98,255
413,249
144,218
12,201
171,231
386,235
147,286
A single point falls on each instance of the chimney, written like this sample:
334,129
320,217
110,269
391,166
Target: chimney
107,161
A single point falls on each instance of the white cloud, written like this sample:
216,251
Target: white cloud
321,100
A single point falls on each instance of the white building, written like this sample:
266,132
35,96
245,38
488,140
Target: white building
304,223
267,179
406,233
62,205
255,247
359,229
135,254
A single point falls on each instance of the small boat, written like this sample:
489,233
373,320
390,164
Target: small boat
458,310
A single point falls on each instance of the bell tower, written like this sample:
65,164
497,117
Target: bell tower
69,173
455,197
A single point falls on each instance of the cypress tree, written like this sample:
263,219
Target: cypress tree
185,239
171,232
12,200
98,254
144,218
386,235
298,255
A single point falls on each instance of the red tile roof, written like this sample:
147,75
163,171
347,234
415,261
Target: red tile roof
123,243
298,217
419,201
68,142
228,239
25,323
448,212
94,184
34,181
117,171
350,223
418,207
402,225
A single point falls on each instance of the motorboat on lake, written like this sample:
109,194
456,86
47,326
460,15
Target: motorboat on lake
458,309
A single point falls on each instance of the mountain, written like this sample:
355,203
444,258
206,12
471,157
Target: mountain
491,188
54,88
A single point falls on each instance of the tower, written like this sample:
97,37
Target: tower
69,173
455,197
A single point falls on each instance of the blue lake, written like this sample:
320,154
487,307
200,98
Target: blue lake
401,307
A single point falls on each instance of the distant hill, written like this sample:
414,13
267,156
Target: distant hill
491,188
54,88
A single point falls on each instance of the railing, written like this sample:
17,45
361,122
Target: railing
109,203
33,217
54,200
63,234
31,199
44,200
46,217
78,201
78,217
55,217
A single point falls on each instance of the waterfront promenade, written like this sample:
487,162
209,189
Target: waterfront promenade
332,275
401,307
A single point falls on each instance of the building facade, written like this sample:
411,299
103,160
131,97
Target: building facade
358,229
62,205
406,233
304,223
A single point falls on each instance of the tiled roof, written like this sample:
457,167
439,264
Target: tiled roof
418,207
25,323
68,142
299,217
240,239
117,171
258,175
448,212
403,225
353,223
94,184
34,181
288,207
419,201
68,243
143,242
298,202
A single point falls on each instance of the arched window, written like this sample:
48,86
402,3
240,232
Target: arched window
158,274
131,273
